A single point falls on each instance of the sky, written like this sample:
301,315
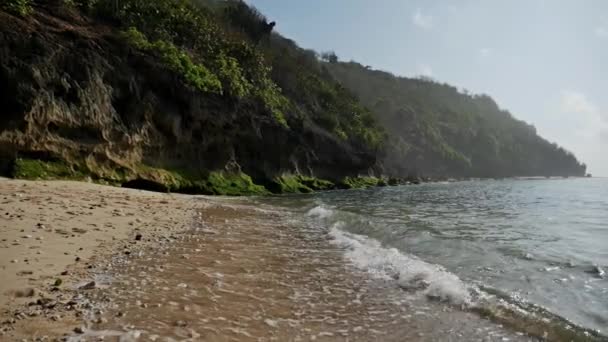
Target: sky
539,59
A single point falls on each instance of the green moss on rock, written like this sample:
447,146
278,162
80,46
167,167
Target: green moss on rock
157,179
288,184
316,183
184,181
298,184
358,182
42,169
233,184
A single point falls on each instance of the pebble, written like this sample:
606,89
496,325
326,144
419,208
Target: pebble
89,286
101,320
271,323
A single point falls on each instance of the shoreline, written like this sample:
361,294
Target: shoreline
204,269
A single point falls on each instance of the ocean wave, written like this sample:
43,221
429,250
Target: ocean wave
408,271
413,274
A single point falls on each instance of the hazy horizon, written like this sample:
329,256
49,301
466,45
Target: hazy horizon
540,60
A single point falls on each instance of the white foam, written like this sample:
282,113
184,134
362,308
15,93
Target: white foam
408,271
320,212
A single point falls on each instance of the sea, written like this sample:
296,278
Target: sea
529,254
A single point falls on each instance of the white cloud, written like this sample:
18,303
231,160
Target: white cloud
592,122
601,32
422,21
576,102
425,70
485,52
585,129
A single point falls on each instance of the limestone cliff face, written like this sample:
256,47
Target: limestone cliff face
71,89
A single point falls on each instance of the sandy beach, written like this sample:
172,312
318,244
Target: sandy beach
52,233
84,262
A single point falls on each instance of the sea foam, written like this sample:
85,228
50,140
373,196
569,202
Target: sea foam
408,271
320,212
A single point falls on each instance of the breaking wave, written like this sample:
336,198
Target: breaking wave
413,274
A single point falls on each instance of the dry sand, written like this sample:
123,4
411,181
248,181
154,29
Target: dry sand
53,230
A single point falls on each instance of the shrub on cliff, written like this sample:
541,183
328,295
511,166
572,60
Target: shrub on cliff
192,44
19,7
234,43
177,60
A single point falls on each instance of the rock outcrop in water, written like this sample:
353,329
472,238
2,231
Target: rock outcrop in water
193,96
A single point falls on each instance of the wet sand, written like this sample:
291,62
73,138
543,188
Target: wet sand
212,270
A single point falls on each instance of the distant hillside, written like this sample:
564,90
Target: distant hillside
436,130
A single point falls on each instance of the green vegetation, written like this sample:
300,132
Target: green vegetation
435,129
360,182
246,89
157,179
305,81
19,7
287,183
40,169
233,184
177,60
145,177
316,184
192,41
311,94
213,183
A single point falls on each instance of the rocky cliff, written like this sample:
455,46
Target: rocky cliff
78,99
201,96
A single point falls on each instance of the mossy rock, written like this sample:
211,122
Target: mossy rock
298,184
288,184
317,184
189,182
45,169
358,182
233,184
